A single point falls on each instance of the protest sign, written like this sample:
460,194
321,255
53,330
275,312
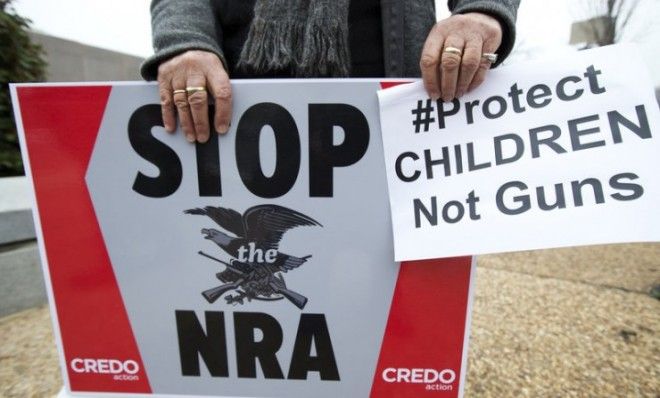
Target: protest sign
549,153
258,264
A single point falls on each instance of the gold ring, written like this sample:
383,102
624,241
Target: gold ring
490,57
179,92
453,50
192,90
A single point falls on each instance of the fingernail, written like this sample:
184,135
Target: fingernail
190,138
434,95
459,94
223,128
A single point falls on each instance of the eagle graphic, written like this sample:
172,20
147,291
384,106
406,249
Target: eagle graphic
259,230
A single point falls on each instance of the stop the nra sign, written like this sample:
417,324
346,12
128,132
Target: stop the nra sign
259,264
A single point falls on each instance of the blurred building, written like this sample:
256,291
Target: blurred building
596,31
69,61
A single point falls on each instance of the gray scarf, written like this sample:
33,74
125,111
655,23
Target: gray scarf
308,37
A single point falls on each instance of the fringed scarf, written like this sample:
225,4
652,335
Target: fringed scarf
308,37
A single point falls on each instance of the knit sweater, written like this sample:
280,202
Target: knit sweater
182,25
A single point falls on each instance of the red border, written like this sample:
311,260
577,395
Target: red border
426,325
426,328
61,125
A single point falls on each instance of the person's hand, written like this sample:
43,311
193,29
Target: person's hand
452,61
179,81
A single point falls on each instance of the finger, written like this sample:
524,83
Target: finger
199,108
450,62
182,108
429,62
166,103
469,64
484,65
221,91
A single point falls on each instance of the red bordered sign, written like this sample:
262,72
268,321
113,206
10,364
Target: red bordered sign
258,264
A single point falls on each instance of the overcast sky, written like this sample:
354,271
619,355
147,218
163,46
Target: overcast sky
123,25
120,25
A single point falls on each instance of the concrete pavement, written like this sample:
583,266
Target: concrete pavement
575,322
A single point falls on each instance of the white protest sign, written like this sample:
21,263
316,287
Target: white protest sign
550,153
258,264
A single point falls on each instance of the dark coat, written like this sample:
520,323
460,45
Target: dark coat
220,26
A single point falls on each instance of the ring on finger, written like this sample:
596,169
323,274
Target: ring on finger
490,57
178,92
453,50
193,90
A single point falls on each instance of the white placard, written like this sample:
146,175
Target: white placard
257,264
550,153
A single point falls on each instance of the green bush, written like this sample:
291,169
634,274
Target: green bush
21,60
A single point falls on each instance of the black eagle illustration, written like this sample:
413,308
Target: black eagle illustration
262,228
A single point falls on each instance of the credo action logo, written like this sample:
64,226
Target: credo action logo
120,370
437,380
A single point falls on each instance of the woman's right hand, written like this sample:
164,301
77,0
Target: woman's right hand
177,79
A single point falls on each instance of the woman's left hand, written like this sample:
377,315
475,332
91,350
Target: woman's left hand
449,74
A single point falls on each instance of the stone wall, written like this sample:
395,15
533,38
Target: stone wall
22,283
69,61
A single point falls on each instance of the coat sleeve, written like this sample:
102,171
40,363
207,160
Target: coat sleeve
504,11
178,26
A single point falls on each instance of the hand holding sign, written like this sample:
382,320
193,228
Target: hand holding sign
451,73
182,83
